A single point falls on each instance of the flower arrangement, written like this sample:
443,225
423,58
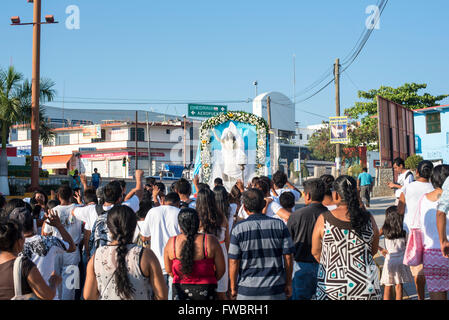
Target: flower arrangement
239,116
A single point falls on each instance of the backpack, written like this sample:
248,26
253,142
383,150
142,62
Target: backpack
408,174
185,204
17,274
99,234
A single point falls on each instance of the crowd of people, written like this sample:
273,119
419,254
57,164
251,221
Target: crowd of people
192,241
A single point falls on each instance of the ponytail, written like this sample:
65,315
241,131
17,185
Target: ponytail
122,223
189,223
346,187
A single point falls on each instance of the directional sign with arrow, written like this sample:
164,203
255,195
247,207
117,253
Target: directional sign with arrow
206,111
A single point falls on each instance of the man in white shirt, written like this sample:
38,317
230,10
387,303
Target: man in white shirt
160,224
405,177
69,262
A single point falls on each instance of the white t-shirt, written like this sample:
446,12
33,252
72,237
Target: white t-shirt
403,182
133,203
413,192
86,214
161,223
428,219
272,210
280,191
43,251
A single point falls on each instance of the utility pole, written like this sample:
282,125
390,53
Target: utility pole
294,106
35,89
135,139
337,113
271,146
185,143
149,147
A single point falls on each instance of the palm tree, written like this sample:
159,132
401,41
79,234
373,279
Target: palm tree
15,107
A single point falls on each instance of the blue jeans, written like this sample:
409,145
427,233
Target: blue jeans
169,282
304,280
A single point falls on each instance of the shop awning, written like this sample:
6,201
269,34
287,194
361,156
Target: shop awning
55,162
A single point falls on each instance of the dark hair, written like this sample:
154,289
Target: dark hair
399,162
65,192
287,200
161,186
12,204
425,168
90,195
235,194
112,192
279,179
218,181
222,201
393,224
172,198
263,186
253,200
122,183
150,181
2,201
41,192
144,207
328,182
122,223
254,181
206,206
53,204
316,188
439,175
75,172
189,222
10,233
346,187
267,180
184,187
202,186
365,169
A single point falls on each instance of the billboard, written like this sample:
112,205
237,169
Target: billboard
396,131
93,132
338,127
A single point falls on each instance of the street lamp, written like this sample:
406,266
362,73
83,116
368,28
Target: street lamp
49,19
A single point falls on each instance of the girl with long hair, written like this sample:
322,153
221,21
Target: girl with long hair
394,272
351,229
194,260
123,270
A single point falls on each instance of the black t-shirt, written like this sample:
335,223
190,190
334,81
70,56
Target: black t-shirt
7,278
301,224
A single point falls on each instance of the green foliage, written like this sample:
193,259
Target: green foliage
320,146
304,170
366,134
413,161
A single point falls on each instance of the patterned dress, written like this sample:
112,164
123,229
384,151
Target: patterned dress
347,269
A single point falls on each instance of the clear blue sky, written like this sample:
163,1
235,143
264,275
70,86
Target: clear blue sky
214,50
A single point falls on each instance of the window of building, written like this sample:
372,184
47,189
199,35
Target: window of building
300,136
103,137
308,136
433,122
140,134
62,139
168,131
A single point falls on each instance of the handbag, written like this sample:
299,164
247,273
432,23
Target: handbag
414,250
17,274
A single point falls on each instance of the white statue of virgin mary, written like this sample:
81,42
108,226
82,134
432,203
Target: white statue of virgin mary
232,152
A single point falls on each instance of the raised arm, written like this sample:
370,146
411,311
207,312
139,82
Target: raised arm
54,221
138,190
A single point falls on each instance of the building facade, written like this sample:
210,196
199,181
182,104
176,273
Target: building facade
432,133
111,147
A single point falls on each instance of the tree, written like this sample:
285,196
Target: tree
15,108
320,146
366,134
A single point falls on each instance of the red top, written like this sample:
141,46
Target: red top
203,271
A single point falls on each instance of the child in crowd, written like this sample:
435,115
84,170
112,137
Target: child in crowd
287,201
394,273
